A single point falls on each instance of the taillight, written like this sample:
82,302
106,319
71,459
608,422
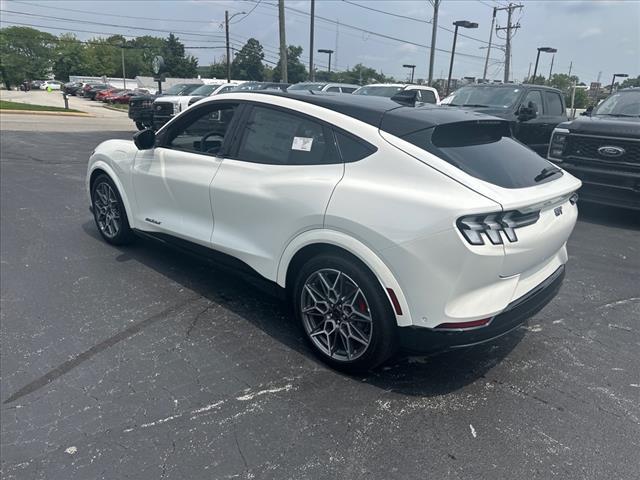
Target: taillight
558,144
494,226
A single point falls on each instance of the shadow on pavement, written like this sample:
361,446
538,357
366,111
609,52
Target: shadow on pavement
609,216
259,302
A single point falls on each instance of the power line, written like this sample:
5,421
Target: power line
247,14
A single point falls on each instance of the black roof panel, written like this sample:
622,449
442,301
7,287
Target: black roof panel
382,112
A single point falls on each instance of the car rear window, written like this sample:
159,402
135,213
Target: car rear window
485,150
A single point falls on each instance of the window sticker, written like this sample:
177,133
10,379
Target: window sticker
302,144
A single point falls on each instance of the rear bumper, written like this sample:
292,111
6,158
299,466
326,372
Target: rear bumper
427,340
617,188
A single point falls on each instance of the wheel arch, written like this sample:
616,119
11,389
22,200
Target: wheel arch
311,243
100,167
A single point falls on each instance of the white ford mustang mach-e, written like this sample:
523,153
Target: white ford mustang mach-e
387,226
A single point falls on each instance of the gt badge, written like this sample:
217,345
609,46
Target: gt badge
557,211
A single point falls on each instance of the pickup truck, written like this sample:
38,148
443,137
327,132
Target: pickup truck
533,111
140,107
602,148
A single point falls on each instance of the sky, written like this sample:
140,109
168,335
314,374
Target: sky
598,37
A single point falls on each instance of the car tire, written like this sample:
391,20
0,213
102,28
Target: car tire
109,212
344,313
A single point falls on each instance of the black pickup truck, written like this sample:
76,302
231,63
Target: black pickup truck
602,148
533,111
140,107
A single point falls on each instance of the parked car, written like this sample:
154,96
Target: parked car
424,94
90,90
36,84
71,88
533,111
602,148
125,96
250,86
324,87
141,107
466,239
51,85
165,107
103,94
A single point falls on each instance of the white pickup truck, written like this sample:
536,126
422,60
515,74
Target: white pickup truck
164,108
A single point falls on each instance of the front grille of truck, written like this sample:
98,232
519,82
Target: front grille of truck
586,147
163,109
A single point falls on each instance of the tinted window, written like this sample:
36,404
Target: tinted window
378,91
426,96
535,98
333,89
554,103
348,89
499,97
203,132
485,151
353,149
279,138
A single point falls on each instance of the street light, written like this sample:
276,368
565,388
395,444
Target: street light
412,67
622,75
541,49
227,18
324,50
463,24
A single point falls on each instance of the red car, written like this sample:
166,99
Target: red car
125,96
102,94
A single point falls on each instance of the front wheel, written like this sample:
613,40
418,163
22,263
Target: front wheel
109,213
345,313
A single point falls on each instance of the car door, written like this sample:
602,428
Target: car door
172,181
530,131
555,113
275,184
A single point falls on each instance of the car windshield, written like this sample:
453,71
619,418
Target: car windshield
181,89
621,104
205,90
307,86
495,97
378,91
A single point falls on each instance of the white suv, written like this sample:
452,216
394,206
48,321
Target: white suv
424,94
387,226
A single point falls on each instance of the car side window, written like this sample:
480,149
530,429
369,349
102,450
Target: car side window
351,148
534,97
554,103
333,89
204,132
279,138
348,89
226,89
427,96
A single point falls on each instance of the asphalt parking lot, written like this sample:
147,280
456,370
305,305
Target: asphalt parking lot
145,363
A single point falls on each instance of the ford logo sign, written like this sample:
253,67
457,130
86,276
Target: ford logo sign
611,151
160,108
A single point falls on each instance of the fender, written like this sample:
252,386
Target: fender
106,168
356,248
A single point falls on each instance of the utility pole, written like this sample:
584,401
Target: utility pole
434,31
226,25
124,75
312,75
283,43
529,74
570,67
551,67
597,87
486,61
508,28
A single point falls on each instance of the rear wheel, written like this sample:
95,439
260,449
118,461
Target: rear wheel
109,213
344,313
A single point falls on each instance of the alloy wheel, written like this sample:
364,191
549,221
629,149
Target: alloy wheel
107,210
336,315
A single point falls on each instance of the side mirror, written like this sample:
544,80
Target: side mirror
145,139
527,112
588,111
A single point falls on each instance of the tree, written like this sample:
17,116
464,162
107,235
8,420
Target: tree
25,54
296,71
178,64
247,64
68,57
631,82
359,74
218,70
102,56
562,81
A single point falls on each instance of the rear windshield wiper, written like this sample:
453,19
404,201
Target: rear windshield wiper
546,173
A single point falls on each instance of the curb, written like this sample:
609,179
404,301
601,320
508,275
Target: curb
109,107
44,112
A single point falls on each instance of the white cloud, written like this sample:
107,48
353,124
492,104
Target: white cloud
590,32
